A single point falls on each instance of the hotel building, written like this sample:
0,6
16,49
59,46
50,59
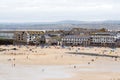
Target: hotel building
76,40
105,38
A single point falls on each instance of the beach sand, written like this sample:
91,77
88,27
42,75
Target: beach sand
76,63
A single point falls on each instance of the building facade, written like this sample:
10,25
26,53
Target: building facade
76,40
27,37
104,39
33,37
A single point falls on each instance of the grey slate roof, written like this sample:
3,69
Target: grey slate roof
105,33
76,36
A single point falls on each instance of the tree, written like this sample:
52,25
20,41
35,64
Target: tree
103,30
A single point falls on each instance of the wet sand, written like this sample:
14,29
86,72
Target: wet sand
71,63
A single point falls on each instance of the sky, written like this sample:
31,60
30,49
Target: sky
58,10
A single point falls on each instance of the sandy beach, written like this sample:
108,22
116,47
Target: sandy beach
58,63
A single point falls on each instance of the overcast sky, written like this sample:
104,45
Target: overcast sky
57,10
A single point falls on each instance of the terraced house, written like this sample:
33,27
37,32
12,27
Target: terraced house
105,39
76,40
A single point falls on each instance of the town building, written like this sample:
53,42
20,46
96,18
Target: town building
74,37
26,37
76,40
105,38
33,37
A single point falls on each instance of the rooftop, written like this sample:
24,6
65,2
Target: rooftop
77,36
105,33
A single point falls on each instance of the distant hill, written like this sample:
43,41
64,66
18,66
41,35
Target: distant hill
64,25
70,22
112,21
89,22
67,22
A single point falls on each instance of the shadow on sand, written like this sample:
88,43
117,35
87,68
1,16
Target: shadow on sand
93,54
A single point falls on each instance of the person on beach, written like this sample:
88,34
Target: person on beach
14,64
27,57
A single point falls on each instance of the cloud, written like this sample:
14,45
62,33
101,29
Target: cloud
38,10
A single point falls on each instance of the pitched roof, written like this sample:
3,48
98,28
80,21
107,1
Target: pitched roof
77,36
105,33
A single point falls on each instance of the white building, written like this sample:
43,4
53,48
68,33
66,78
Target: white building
76,40
105,38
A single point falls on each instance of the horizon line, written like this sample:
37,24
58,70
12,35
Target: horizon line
55,21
